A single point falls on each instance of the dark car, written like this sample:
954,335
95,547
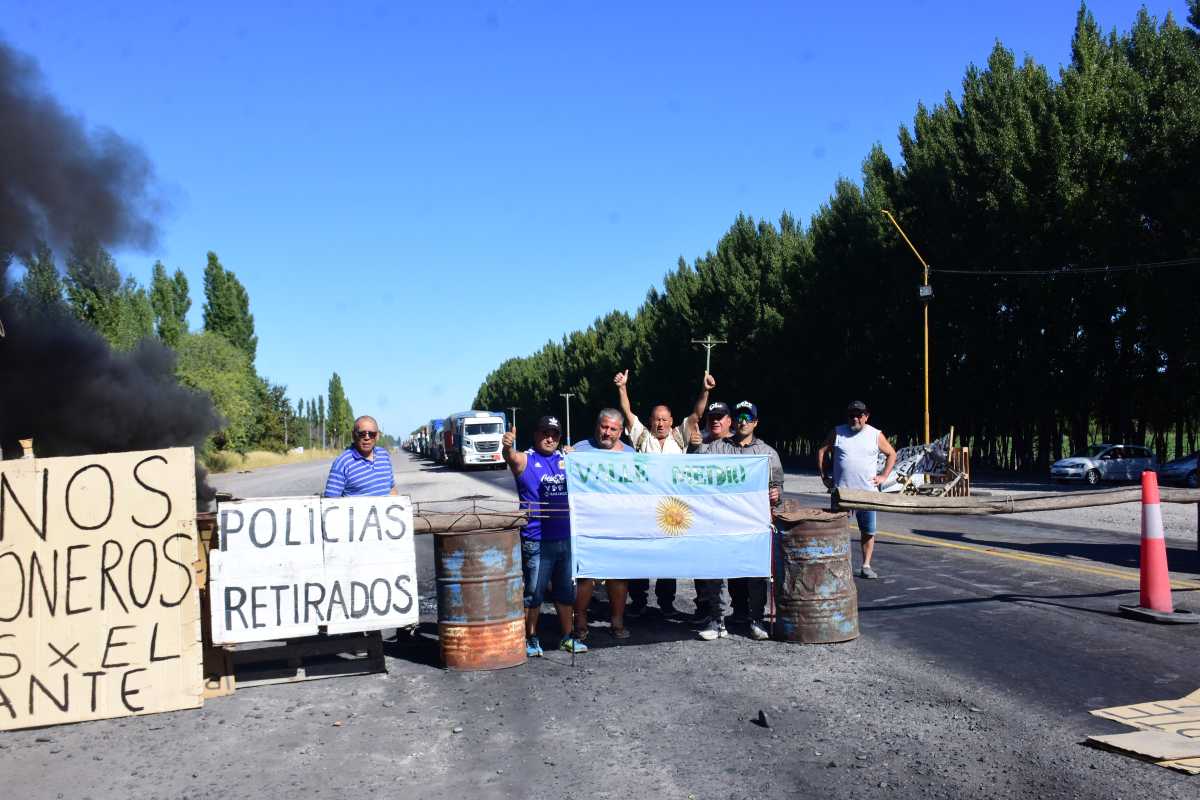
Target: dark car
1182,471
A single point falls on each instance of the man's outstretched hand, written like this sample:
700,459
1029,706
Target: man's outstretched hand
621,378
710,382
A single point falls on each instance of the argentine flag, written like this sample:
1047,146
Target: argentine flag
664,516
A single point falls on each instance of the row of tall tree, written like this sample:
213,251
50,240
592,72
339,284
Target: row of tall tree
1023,172
218,360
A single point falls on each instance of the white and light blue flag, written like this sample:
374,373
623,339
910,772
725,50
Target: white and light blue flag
659,516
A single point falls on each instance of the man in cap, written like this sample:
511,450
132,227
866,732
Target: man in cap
747,594
541,479
855,448
662,437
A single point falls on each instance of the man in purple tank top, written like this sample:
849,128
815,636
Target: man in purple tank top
541,479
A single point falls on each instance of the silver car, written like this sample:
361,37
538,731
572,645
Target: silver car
1105,462
1182,471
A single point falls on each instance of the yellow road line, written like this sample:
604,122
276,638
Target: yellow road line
1061,563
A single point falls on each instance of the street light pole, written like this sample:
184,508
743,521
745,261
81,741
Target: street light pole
567,397
513,409
926,294
708,343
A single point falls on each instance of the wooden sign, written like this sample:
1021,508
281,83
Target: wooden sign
288,567
98,607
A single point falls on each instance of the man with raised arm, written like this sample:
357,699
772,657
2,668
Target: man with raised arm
665,438
541,479
856,447
748,595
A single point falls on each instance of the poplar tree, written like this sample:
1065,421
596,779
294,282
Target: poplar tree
227,307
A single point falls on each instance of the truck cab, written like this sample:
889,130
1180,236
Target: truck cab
476,441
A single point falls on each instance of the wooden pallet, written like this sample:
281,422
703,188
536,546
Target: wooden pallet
261,663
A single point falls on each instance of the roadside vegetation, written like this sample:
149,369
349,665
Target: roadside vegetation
1057,209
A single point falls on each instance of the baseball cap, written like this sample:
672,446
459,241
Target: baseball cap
547,423
717,409
746,407
858,407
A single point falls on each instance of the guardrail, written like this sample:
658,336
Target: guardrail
853,499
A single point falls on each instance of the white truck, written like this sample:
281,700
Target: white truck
475,439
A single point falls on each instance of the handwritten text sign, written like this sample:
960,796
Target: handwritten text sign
99,615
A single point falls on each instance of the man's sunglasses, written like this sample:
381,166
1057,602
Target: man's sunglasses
745,418
365,434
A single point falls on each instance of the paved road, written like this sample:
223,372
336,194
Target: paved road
971,679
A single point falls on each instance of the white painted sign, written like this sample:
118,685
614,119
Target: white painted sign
289,565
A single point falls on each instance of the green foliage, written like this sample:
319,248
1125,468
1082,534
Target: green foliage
227,307
209,363
341,416
1097,165
170,301
119,310
42,289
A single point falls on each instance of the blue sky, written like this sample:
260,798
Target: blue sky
413,193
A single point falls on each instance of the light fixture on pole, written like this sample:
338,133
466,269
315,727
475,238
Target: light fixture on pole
708,343
925,292
567,398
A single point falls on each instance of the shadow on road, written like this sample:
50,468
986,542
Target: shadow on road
1120,555
1006,597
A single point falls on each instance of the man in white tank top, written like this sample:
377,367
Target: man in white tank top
856,447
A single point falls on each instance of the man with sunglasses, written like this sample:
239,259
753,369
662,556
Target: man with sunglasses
541,478
855,448
363,469
748,595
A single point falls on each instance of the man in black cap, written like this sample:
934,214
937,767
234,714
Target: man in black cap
748,595
855,448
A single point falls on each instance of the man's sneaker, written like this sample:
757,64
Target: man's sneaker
757,631
867,572
572,645
671,612
714,629
533,648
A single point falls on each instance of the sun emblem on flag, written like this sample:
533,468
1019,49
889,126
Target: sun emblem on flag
674,516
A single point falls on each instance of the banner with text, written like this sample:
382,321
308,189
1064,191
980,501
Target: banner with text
656,516
99,615
289,565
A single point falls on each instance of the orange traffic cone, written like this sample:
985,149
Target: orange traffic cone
1155,600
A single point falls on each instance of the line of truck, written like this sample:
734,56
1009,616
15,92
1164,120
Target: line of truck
462,440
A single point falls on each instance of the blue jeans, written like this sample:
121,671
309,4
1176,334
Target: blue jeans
866,522
547,562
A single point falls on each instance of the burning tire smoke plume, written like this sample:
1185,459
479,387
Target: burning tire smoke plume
60,383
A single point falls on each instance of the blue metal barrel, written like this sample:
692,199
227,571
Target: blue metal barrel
481,617
816,601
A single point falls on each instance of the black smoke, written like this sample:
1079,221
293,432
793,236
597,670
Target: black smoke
60,382
59,180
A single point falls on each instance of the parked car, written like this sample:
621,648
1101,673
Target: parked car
1184,471
1105,462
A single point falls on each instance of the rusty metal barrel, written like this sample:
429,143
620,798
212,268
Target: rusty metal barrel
481,617
816,601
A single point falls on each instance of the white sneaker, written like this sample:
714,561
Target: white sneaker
757,631
867,572
712,630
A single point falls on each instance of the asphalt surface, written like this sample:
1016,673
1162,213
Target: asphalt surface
972,677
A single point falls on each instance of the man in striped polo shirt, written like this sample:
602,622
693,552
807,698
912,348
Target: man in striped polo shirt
362,470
